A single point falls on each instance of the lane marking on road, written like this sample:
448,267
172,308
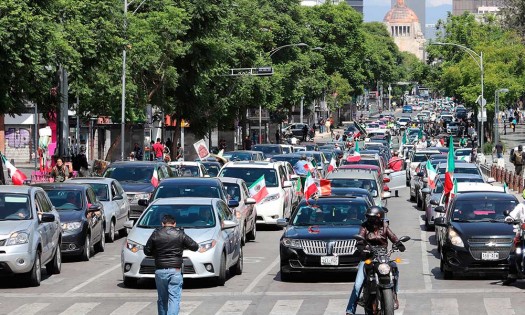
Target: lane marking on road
234,307
498,306
79,309
187,307
402,305
444,307
336,306
424,258
100,275
286,307
29,309
263,274
130,308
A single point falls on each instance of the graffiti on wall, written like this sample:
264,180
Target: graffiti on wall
17,137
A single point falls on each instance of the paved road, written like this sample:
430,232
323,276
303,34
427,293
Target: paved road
95,287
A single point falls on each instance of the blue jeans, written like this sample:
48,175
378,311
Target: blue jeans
358,285
499,155
169,289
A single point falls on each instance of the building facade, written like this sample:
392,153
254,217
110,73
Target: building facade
404,26
472,6
419,8
356,4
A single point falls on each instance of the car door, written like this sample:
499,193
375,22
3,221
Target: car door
287,191
45,229
95,218
231,236
123,204
250,209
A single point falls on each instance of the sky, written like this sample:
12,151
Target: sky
430,3
375,10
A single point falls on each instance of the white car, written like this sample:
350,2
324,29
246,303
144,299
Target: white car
463,154
188,169
277,203
413,161
113,198
208,221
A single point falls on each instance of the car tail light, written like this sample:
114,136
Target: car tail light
516,241
523,226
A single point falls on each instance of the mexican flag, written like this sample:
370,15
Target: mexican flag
332,165
155,178
449,175
325,187
310,166
17,177
357,155
299,188
310,188
258,189
454,189
431,175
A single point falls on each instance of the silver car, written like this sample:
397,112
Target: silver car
208,221
30,233
113,198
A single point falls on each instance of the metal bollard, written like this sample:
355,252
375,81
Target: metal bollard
520,186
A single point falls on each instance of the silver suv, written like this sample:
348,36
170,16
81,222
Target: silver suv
30,233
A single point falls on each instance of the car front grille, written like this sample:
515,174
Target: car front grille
501,245
486,240
313,247
346,247
321,248
148,266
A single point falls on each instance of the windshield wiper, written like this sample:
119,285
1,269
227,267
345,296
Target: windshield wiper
462,220
491,220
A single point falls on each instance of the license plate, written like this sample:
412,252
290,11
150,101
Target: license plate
329,260
489,256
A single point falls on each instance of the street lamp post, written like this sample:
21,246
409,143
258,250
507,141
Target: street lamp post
478,58
389,97
496,115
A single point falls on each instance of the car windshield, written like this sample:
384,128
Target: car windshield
292,159
461,170
363,162
287,150
101,190
462,153
420,157
213,170
472,210
185,170
272,150
347,213
170,190
14,207
233,191
250,175
186,216
439,184
64,199
368,184
131,173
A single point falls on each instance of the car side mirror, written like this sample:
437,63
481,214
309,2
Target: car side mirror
250,201
434,202
374,193
389,171
233,203
425,191
228,224
404,239
287,184
282,222
118,197
440,209
47,217
128,224
143,202
294,177
94,208
386,179
440,221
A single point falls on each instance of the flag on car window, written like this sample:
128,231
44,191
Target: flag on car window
356,157
332,165
155,178
258,189
310,188
431,175
17,177
325,187
449,175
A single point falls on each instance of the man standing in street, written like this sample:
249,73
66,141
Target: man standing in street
305,132
517,159
158,150
277,137
499,150
166,245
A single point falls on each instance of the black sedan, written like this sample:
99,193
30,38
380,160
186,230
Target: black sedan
82,218
319,236
354,192
476,238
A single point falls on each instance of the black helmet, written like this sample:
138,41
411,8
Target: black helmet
375,212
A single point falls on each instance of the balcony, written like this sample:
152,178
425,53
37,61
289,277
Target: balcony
253,114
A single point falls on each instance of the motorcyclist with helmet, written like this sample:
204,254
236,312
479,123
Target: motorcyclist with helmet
518,213
376,232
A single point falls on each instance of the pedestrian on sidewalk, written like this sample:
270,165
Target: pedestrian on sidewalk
158,149
60,172
504,127
517,158
514,122
499,150
166,245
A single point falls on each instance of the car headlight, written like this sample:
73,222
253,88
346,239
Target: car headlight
206,246
383,269
142,196
290,242
134,246
454,238
17,238
270,198
71,226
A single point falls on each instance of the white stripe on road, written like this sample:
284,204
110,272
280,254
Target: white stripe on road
261,275
234,307
445,307
29,309
100,275
79,309
402,305
130,308
498,306
336,307
424,257
286,307
187,307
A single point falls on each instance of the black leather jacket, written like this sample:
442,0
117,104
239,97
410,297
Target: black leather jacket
166,245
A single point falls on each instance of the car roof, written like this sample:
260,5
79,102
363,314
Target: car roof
353,173
182,163
353,189
190,180
479,187
135,163
185,201
231,180
458,164
55,186
24,189
485,195
360,166
90,180
327,199
462,175
250,164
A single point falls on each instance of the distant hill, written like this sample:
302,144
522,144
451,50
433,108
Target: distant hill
377,12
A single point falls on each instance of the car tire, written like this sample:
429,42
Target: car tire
124,231
419,201
253,233
286,276
100,247
447,274
238,267
427,224
412,198
130,282
54,267
221,278
35,275
110,237
243,235
86,253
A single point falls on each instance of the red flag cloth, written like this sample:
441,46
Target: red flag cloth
325,187
395,164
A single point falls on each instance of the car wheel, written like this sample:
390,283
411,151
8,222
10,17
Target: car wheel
101,245
35,275
130,282
124,231
427,225
221,278
86,253
243,235
237,268
110,237
419,201
253,233
412,198
286,276
55,265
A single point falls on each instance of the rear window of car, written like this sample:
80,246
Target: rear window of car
186,216
130,173
186,190
272,150
368,184
250,175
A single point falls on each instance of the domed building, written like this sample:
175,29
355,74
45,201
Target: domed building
403,25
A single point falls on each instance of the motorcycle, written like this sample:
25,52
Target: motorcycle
380,278
518,246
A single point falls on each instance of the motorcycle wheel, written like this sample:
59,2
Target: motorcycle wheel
387,302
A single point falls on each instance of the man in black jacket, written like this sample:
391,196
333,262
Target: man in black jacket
166,245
